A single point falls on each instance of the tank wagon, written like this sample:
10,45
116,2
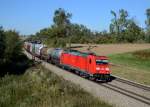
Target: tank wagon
86,64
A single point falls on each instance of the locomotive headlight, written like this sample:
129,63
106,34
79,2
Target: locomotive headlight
107,69
97,68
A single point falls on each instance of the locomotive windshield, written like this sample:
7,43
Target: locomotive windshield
101,62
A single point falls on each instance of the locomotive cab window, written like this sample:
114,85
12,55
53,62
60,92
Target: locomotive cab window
101,62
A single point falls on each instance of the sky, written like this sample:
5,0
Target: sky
29,16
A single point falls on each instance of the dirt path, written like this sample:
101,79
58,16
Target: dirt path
106,49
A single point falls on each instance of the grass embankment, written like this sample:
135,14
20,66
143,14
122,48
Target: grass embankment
134,66
40,88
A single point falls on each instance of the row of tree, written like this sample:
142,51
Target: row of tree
125,29
122,30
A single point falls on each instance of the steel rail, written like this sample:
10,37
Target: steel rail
135,84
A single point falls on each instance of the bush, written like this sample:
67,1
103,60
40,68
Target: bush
144,54
10,50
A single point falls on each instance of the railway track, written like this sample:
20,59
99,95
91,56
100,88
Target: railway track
129,89
135,84
136,91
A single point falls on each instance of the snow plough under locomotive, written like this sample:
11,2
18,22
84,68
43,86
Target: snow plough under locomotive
86,64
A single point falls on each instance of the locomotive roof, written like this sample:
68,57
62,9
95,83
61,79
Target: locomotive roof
78,53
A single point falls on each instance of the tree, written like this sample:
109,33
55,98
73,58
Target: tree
133,32
61,28
61,22
119,23
123,21
80,34
13,46
2,45
114,27
148,25
61,18
125,29
148,18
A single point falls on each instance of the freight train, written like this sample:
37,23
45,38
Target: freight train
86,64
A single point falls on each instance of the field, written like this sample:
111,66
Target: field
107,49
38,87
128,61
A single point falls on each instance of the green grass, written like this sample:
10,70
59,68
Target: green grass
135,59
40,88
134,66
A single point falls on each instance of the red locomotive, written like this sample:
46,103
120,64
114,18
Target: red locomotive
86,64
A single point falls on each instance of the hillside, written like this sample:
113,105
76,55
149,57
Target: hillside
39,87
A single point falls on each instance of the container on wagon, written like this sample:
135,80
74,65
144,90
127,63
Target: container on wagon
37,49
32,47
